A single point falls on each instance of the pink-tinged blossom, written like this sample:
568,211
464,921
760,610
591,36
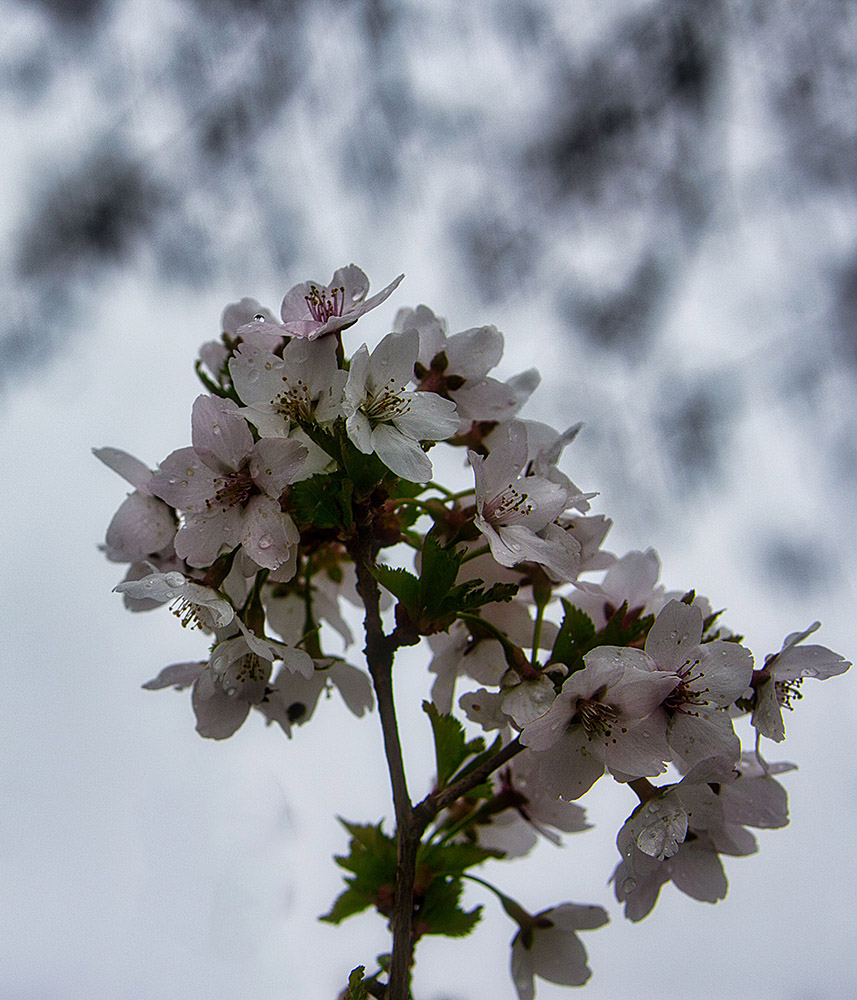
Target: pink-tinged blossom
193,604
679,834
229,488
517,513
548,947
778,684
544,449
522,808
384,418
458,653
234,680
631,580
589,533
311,309
144,525
253,324
710,676
457,367
601,719
302,387
293,697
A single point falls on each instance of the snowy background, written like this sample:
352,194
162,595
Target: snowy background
655,200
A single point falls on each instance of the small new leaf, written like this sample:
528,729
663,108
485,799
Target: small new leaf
323,502
357,985
372,860
404,586
440,912
451,746
574,638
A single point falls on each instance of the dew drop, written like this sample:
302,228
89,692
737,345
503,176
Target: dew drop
653,807
231,692
172,480
258,318
265,542
184,482
809,672
216,430
629,885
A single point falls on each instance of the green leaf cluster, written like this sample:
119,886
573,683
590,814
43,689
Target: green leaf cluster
577,635
324,502
433,601
371,862
451,746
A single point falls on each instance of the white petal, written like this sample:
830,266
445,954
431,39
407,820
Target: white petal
401,454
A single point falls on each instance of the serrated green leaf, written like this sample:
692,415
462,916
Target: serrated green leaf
440,912
323,501
454,859
624,629
438,570
451,745
468,597
372,860
364,471
574,636
402,585
356,985
346,904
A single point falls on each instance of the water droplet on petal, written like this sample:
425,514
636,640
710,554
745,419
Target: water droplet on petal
653,807
809,672
216,430
265,542
258,318
172,480
629,885
231,692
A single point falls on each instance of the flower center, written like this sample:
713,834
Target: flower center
246,677
507,505
788,692
295,403
188,613
683,698
596,717
383,406
325,302
233,489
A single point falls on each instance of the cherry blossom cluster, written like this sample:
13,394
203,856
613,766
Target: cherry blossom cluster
309,482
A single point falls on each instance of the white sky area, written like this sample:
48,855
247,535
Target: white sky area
141,862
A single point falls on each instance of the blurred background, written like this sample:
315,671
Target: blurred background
655,201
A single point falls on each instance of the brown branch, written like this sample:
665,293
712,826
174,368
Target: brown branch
380,650
432,804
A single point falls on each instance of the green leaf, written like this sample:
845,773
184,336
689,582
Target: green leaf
439,568
323,501
574,636
364,471
356,984
440,912
468,596
402,585
624,629
455,859
372,860
451,746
